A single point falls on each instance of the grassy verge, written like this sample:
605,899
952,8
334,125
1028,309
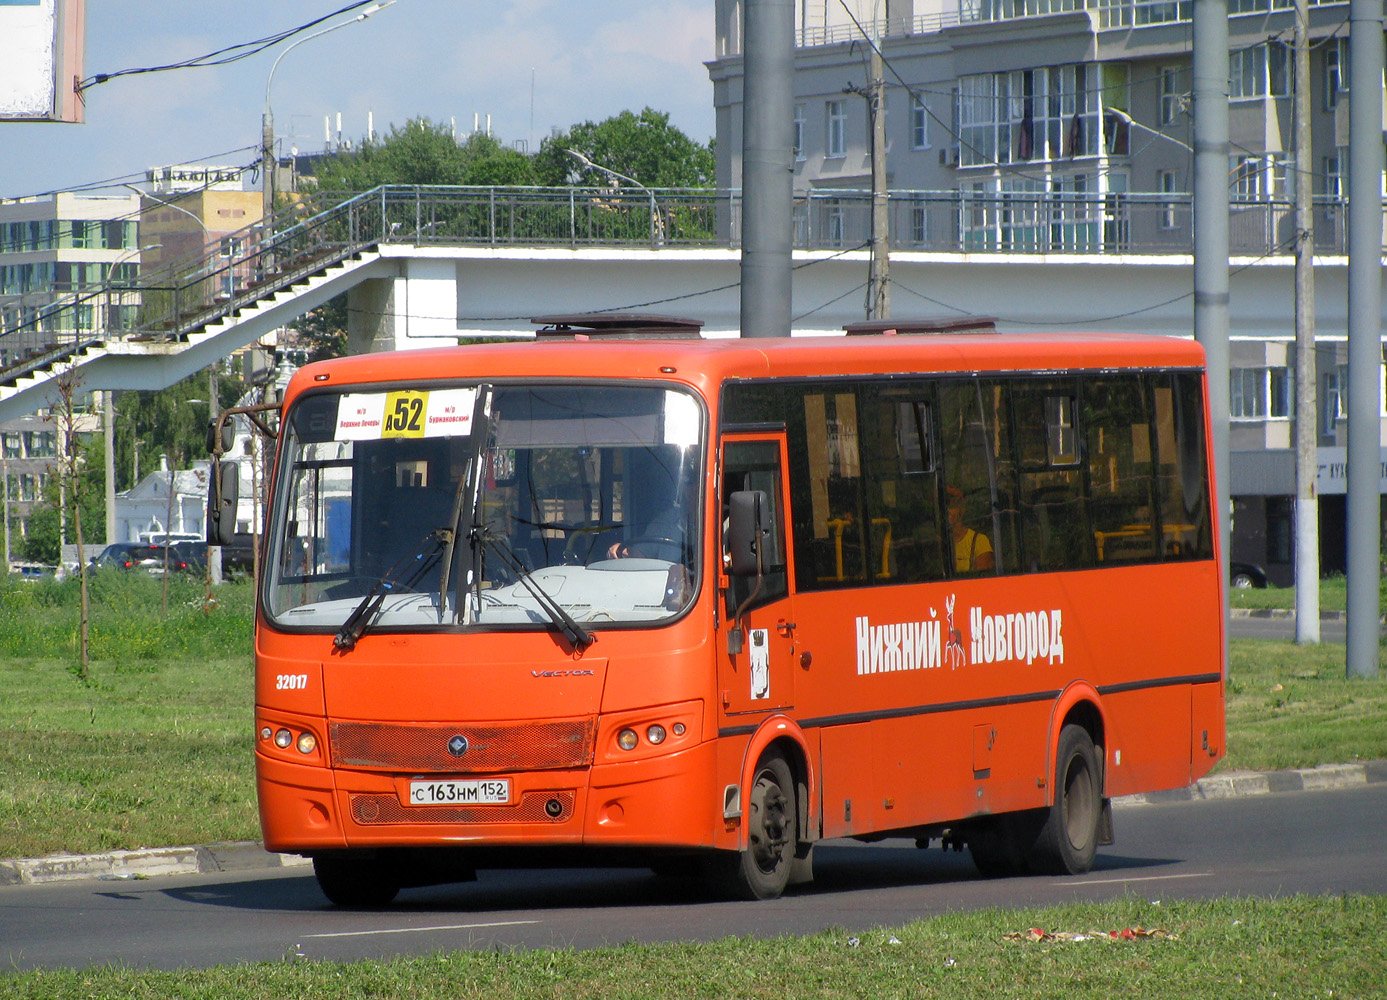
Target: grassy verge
1333,591
155,749
1296,947
1292,706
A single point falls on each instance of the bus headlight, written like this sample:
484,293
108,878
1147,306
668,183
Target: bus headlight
655,734
284,739
307,743
627,739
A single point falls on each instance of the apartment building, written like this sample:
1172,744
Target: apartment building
63,260
1051,129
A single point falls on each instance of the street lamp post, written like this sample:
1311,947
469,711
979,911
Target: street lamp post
267,122
656,221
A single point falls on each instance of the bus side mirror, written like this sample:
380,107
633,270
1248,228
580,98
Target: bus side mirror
221,502
220,431
745,532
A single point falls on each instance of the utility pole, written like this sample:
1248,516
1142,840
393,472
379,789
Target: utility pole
1210,24
880,304
1364,530
1307,504
767,166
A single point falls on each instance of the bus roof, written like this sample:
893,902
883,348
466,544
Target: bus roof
709,362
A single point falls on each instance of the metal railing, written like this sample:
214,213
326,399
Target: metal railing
1105,14
318,231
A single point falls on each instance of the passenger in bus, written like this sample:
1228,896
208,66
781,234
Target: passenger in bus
972,550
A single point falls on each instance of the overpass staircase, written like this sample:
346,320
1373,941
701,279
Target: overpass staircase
197,308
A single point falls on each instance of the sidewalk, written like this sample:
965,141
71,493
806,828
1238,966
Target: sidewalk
239,856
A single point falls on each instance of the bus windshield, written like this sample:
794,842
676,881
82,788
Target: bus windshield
585,500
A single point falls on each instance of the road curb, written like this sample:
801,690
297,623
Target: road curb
119,866
1236,784
145,863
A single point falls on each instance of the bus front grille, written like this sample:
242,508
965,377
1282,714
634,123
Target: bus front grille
489,747
377,809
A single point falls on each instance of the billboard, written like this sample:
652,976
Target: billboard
41,59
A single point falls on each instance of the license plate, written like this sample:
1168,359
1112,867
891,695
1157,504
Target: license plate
479,791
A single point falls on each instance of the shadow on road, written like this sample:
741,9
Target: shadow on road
838,868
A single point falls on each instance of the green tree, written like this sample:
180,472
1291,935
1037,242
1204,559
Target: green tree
420,152
644,147
170,422
323,331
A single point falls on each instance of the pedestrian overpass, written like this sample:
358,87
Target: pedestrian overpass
424,267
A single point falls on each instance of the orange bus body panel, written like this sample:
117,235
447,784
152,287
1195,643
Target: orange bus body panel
877,747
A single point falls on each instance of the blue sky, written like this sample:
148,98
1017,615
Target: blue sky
531,64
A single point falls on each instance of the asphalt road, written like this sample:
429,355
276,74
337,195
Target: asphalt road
1263,845
1334,630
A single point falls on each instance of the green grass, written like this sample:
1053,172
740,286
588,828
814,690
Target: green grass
1292,706
1296,947
155,748
1333,596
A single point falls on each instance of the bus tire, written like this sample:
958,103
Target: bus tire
1068,841
762,870
356,882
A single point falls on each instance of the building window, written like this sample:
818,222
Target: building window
799,133
836,120
1333,401
1168,184
919,124
1332,183
1257,178
1247,393
1259,71
1279,392
1258,393
919,225
1335,72
1173,93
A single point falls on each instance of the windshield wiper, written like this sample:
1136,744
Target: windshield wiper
469,490
579,637
360,619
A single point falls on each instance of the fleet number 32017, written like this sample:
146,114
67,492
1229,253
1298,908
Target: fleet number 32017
291,682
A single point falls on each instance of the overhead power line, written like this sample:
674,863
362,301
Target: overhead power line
229,54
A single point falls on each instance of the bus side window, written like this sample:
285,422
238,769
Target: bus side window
901,485
1053,508
1182,480
1119,463
755,465
979,476
834,551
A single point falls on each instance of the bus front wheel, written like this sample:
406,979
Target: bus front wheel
762,870
1068,841
356,882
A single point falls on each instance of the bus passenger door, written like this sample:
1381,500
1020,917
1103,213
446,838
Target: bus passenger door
756,670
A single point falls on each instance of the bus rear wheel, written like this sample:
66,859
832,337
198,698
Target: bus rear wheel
762,870
356,882
1068,841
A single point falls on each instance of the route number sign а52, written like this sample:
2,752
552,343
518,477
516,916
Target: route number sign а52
407,413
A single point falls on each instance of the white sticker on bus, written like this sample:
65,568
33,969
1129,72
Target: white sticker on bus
993,638
1018,636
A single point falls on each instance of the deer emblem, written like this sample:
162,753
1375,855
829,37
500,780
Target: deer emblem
954,654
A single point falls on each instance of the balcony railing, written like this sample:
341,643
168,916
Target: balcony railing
304,239
1105,14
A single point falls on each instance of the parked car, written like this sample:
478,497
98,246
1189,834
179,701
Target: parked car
123,555
32,571
1243,575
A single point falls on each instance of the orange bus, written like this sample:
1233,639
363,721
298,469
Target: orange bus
697,604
